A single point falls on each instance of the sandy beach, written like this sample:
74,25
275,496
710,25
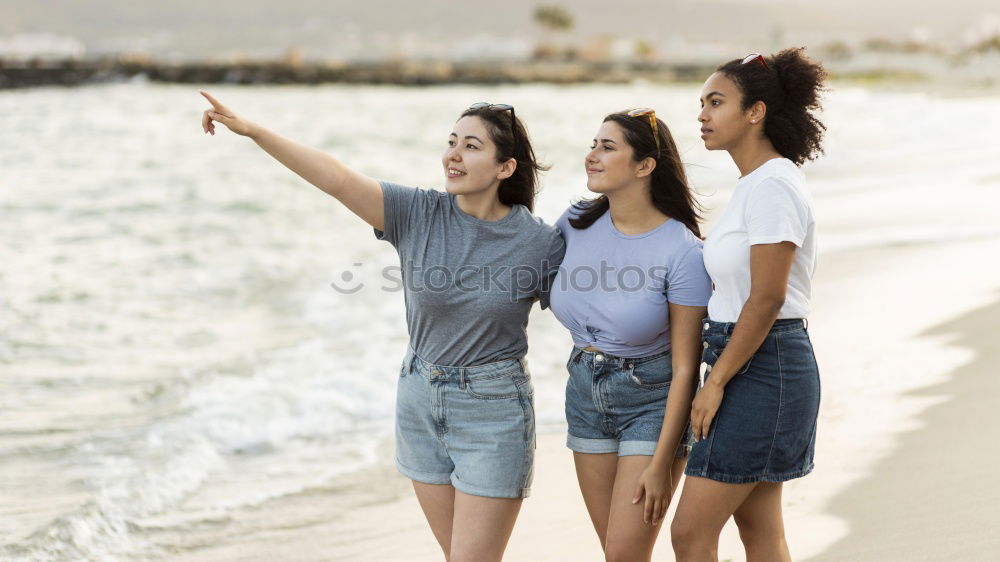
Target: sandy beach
936,497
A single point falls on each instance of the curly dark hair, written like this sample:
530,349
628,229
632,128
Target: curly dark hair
790,86
511,138
668,182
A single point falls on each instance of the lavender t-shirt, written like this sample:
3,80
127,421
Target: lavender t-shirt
612,290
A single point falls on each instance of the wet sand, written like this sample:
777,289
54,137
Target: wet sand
937,496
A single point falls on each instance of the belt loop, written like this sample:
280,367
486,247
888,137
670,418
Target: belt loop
805,324
408,360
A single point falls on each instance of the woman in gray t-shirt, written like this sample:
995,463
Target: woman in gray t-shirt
474,259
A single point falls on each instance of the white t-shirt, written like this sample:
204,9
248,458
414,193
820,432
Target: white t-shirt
769,205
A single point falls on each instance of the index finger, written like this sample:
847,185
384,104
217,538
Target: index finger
218,105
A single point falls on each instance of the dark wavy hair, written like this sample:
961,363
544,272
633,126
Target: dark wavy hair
790,86
668,182
511,139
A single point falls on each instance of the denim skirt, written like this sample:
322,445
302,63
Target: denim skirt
765,428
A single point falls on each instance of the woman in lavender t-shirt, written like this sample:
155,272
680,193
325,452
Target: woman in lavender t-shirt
632,291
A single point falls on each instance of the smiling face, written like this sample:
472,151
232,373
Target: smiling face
470,161
610,164
724,123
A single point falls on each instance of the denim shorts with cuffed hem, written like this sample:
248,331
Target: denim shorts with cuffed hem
471,427
616,404
765,427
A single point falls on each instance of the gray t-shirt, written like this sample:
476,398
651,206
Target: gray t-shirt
468,283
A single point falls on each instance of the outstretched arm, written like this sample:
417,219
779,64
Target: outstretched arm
358,192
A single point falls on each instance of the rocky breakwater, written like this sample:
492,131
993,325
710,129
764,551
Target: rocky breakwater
71,72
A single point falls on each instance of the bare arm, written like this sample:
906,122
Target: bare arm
655,483
685,352
358,192
770,266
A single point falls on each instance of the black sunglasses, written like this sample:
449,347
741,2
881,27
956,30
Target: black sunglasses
499,107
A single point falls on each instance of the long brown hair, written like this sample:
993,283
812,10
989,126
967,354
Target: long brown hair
511,139
668,182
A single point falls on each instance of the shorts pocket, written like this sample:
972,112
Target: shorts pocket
574,357
653,374
497,386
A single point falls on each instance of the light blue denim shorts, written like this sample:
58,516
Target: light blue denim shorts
471,427
616,404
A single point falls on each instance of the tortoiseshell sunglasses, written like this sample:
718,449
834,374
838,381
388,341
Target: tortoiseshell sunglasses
644,111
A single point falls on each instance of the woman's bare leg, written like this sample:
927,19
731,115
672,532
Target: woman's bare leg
628,537
438,503
704,508
596,476
761,525
482,527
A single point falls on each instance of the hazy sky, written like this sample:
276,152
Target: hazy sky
195,28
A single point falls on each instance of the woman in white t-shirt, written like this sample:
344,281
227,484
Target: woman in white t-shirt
754,420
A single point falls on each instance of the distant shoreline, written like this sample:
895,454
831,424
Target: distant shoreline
72,72
76,72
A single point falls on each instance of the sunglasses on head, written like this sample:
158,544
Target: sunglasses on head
499,107
647,111
754,57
